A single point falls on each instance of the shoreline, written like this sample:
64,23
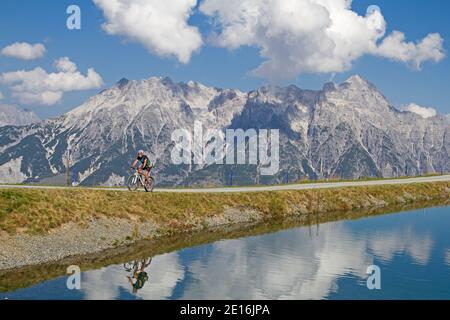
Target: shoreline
29,275
67,234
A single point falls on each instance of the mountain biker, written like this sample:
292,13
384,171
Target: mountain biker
146,165
140,276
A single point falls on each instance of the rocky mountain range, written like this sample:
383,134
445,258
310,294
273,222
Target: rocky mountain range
347,130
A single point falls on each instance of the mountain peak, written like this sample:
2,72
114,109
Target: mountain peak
122,82
356,80
358,83
167,81
329,86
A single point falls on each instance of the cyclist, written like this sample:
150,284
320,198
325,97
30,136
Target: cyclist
146,165
140,276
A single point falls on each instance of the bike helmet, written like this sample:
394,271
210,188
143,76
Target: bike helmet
141,151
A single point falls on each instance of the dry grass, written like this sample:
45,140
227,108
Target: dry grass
40,211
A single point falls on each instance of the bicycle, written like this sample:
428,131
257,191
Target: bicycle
135,266
137,180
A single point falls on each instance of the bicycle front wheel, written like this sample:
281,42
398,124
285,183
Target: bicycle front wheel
128,266
133,183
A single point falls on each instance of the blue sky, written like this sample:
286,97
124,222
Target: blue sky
114,57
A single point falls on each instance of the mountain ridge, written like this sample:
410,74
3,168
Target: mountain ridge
347,130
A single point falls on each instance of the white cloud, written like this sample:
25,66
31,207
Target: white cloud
24,50
11,115
312,36
395,47
421,111
39,87
65,65
161,26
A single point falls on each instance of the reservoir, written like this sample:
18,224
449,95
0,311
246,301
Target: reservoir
320,261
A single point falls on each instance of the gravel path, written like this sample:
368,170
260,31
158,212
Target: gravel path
304,186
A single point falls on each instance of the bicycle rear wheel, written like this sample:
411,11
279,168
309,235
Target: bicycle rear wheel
150,185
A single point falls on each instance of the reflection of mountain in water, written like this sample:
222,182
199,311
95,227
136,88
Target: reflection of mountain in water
293,264
447,257
385,245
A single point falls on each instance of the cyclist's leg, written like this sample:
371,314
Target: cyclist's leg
146,174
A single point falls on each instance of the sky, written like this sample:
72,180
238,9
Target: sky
400,46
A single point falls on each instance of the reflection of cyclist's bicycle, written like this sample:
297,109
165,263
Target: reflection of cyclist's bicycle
137,180
136,265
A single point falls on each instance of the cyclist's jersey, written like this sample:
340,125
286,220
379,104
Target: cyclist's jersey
142,277
142,160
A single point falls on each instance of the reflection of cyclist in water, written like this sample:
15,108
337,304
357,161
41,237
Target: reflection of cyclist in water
140,276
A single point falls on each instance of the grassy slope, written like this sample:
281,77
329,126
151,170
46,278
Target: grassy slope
39,211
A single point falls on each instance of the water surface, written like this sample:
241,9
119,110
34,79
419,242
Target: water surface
326,261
